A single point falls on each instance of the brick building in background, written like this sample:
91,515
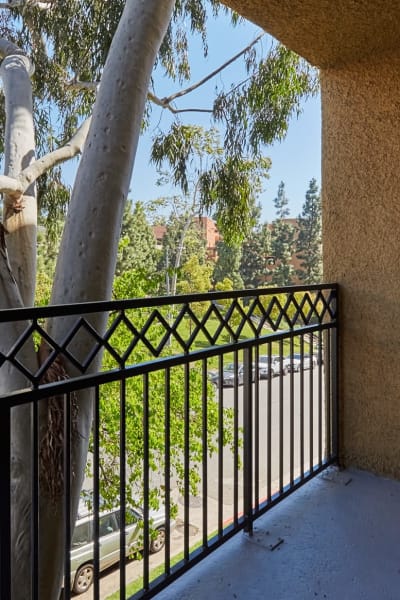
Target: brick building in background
208,228
212,236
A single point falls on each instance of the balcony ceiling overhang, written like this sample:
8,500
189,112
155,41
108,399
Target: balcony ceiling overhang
328,33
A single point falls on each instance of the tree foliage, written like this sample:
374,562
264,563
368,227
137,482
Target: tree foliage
227,265
251,112
137,245
309,241
282,240
135,406
255,264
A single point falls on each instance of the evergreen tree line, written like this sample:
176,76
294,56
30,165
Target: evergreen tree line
284,252
181,264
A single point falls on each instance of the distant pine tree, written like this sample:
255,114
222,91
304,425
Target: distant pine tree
227,265
282,241
256,254
309,241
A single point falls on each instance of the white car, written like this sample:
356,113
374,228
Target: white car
294,362
276,366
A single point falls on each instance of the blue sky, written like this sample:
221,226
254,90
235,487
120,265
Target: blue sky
295,160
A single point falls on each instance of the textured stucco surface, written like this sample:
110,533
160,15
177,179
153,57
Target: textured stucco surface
361,207
356,45
328,32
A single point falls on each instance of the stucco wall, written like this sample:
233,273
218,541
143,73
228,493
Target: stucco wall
361,216
328,32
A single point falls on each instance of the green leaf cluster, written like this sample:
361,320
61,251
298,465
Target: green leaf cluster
149,403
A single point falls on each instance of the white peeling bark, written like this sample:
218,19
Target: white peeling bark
17,287
16,187
87,257
20,212
66,152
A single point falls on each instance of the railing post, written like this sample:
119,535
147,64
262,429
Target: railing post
5,503
248,441
335,392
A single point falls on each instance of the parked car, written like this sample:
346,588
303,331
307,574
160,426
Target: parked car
228,375
294,362
276,366
82,547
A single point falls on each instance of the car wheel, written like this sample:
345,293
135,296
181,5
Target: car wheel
158,542
83,579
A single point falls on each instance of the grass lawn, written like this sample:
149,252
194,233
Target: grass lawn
247,333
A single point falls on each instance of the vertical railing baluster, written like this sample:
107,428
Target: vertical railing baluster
35,501
204,456
281,435
320,402
220,438
5,502
69,527
96,492
248,441
255,374
236,454
291,403
186,463
302,414
311,405
167,469
269,426
122,486
335,409
146,482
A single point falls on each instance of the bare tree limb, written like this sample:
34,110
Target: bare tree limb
83,85
166,101
193,87
10,186
15,187
43,164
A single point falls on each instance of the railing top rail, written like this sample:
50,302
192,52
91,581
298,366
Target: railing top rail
43,312
133,331
85,381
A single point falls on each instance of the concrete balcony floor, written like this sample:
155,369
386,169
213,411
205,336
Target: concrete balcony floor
338,537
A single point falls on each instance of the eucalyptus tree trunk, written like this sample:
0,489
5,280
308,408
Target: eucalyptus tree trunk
18,274
87,256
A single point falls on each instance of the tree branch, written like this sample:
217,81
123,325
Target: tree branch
83,85
40,166
15,187
10,186
166,101
193,87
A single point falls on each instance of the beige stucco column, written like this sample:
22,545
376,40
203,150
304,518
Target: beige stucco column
356,47
361,226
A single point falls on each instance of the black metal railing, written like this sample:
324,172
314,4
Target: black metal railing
173,427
